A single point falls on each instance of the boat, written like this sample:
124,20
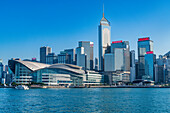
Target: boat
22,87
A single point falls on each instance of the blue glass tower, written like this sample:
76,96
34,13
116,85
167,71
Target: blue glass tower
150,60
144,45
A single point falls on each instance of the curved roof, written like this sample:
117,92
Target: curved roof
69,67
34,66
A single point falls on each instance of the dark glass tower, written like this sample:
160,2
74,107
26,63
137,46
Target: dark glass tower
44,51
144,45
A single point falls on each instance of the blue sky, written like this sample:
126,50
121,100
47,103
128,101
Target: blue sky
26,25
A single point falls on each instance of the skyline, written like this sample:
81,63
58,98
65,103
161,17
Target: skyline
51,24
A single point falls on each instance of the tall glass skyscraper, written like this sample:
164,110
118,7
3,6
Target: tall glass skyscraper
104,40
144,45
150,60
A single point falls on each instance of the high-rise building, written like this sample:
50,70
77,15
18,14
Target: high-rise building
64,58
167,55
71,52
104,40
88,50
81,57
150,61
91,56
119,58
1,69
132,66
167,67
159,74
121,52
144,45
117,63
44,51
51,58
96,64
110,62
167,70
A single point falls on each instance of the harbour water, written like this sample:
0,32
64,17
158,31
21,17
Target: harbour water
104,100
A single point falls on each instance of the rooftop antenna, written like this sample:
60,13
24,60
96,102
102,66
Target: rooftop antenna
103,9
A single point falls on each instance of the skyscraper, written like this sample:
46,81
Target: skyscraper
81,57
71,52
44,51
132,66
88,50
144,45
1,69
104,40
51,58
64,58
121,48
119,58
150,61
96,64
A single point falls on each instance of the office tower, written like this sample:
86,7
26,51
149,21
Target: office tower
71,52
44,51
64,58
109,62
136,68
160,69
159,74
144,45
121,49
1,69
150,61
81,57
167,67
51,58
104,30
96,64
88,50
167,55
119,58
167,70
132,66
91,56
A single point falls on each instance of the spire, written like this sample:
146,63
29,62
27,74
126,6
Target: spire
103,9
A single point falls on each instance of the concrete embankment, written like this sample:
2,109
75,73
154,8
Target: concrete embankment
38,86
101,87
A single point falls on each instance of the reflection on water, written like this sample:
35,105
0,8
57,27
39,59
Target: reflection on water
105,100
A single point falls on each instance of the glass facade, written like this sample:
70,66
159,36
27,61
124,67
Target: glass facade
64,58
44,51
121,54
104,40
88,50
121,77
22,74
143,47
53,76
150,60
94,78
71,52
56,74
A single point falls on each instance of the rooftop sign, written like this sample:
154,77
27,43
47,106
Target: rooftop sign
149,52
143,39
117,42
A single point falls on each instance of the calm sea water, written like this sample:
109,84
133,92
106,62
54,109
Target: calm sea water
104,100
